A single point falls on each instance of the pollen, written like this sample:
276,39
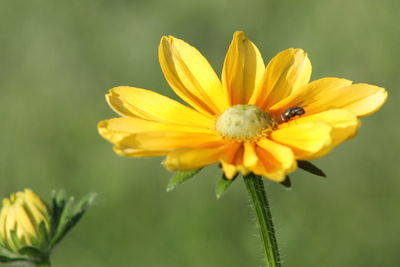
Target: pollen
244,123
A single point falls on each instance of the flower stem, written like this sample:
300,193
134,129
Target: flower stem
255,188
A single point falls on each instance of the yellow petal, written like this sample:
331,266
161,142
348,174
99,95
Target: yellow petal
230,157
191,76
25,224
285,74
243,69
309,94
282,155
116,129
36,208
274,160
344,124
137,152
305,139
3,218
189,158
165,141
236,163
361,99
250,156
148,105
335,93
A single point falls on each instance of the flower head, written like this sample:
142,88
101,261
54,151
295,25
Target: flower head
255,119
29,228
22,215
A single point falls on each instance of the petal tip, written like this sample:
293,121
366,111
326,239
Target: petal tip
239,34
377,97
121,152
165,41
101,124
165,38
171,163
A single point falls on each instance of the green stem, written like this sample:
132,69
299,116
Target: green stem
255,188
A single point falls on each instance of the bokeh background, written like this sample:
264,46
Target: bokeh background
59,58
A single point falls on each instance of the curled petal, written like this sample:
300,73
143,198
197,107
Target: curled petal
232,160
239,159
243,69
274,160
191,76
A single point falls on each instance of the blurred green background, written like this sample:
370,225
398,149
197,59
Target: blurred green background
59,58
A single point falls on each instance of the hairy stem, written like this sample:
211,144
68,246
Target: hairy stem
255,188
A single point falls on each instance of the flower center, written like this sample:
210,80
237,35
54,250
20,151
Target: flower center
244,123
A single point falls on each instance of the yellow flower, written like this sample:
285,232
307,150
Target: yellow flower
22,214
256,119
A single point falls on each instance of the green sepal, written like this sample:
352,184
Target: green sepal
44,234
311,168
180,177
35,256
79,209
223,184
66,214
286,183
16,241
5,259
58,204
64,207
41,241
8,256
31,252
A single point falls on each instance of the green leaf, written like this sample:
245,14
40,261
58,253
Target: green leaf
223,185
311,168
180,177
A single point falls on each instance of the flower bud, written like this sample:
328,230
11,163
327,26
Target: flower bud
24,218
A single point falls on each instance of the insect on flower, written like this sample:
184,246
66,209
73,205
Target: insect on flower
290,113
